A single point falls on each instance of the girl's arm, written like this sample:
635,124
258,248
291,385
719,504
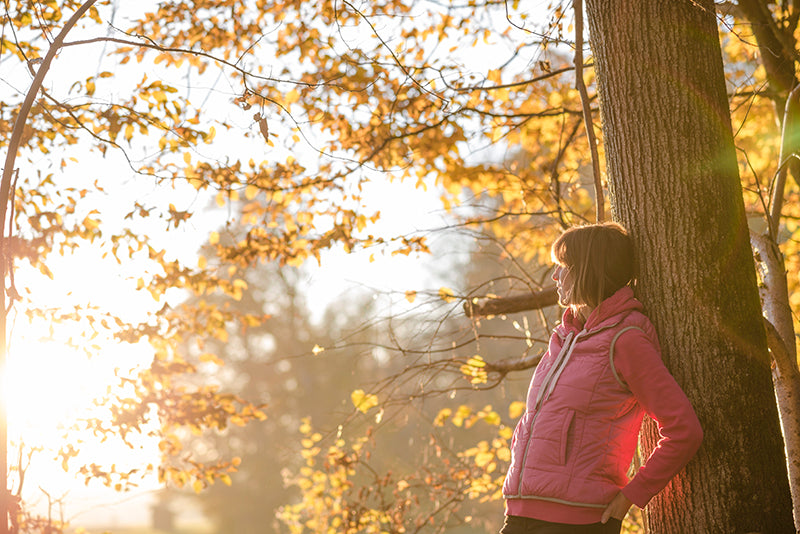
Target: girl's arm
637,360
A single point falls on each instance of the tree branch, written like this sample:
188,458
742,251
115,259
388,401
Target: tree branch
788,152
580,85
518,303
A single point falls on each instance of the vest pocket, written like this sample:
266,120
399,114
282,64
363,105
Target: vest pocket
565,426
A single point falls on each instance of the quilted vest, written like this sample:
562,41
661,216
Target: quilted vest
575,442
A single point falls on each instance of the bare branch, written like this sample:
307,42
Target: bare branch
580,85
531,301
521,83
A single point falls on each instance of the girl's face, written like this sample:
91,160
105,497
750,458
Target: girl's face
564,284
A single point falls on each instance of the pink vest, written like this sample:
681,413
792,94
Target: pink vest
575,442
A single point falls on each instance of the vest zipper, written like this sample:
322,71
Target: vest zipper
552,375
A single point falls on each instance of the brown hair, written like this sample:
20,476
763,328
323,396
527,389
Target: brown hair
599,258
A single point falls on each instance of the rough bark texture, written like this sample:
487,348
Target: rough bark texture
674,183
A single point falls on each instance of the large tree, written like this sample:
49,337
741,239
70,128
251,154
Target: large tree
673,175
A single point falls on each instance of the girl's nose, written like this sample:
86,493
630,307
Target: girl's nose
555,273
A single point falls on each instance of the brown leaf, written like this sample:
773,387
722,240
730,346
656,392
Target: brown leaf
262,125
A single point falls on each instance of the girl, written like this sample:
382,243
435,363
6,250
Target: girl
602,372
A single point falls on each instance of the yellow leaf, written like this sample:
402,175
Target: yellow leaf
213,238
212,132
197,486
516,409
446,294
504,454
202,263
305,427
462,413
442,416
250,192
411,296
483,458
292,96
363,401
476,361
210,358
187,157
226,479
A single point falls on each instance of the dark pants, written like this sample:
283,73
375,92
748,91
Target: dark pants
525,525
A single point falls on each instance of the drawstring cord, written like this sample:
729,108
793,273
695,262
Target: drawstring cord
554,373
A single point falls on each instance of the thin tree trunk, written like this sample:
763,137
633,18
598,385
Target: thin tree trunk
6,501
674,183
782,343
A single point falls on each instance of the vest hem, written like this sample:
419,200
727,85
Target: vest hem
557,501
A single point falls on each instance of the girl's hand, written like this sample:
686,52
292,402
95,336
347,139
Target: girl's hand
617,508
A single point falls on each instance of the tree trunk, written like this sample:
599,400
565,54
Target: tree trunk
7,503
781,340
673,181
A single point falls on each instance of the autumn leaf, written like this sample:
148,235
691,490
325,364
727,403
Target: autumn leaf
363,401
516,409
446,294
262,126
483,458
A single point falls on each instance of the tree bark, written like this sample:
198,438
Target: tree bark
782,343
674,183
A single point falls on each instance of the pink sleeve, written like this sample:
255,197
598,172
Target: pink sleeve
637,360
